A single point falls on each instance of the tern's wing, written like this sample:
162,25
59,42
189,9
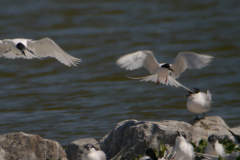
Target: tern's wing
207,156
145,158
137,60
6,47
101,155
237,137
119,155
232,156
208,98
189,60
48,48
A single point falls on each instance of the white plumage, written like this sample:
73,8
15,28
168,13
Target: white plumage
214,148
198,102
29,49
160,71
232,156
92,154
182,148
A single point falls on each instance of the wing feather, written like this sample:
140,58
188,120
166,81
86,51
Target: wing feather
208,99
137,60
6,46
189,60
48,48
154,78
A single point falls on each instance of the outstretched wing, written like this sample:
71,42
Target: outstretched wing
137,60
6,48
189,60
48,48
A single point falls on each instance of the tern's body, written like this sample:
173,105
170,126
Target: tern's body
214,148
198,102
182,148
232,156
92,154
29,49
163,72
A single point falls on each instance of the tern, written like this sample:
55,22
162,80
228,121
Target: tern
90,153
29,49
232,156
163,72
151,155
214,148
236,137
198,102
182,148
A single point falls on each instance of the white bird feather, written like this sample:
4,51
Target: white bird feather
145,58
42,48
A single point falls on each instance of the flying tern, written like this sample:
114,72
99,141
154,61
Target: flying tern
163,72
29,49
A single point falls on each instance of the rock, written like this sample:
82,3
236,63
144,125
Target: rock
75,149
24,146
137,136
208,126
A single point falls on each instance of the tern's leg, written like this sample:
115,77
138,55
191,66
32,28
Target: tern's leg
166,79
196,117
203,116
157,80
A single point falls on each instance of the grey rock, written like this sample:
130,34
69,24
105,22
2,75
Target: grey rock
138,135
22,146
208,126
75,149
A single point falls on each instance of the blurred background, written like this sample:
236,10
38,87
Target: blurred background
47,98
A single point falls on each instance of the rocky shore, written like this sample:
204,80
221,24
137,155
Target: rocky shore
135,135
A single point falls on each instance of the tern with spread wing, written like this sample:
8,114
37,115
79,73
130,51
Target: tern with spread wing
163,72
29,49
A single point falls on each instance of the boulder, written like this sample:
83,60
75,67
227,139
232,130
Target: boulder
24,146
210,125
137,136
75,149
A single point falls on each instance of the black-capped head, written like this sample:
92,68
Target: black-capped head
212,140
193,91
89,146
181,134
150,152
167,66
20,46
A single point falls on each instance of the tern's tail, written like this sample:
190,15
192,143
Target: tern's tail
164,80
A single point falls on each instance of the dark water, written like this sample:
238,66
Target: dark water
47,98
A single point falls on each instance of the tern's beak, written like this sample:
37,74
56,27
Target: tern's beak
171,69
179,134
213,147
187,95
